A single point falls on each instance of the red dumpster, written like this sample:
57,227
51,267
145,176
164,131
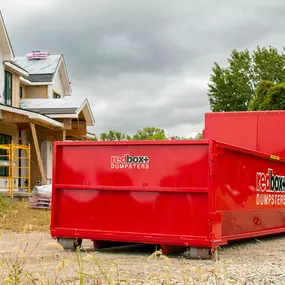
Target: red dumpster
261,130
197,194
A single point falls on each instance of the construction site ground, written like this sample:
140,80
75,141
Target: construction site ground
36,257
28,255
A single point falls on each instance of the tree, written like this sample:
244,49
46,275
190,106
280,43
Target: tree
259,95
113,136
268,65
150,133
147,133
198,136
95,138
231,88
268,96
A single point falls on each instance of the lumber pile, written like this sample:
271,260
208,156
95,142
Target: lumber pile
40,201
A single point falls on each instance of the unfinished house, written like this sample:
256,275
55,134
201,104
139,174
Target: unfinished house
36,109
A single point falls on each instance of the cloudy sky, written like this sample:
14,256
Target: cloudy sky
143,62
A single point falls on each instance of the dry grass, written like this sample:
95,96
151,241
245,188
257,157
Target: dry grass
84,269
16,216
17,266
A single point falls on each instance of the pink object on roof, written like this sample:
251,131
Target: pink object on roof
37,55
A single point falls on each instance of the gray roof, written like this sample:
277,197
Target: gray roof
49,111
58,108
40,70
41,77
51,106
17,65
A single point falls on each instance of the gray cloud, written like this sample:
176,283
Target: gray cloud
146,62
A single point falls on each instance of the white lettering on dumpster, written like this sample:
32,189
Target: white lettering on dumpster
268,199
270,188
130,162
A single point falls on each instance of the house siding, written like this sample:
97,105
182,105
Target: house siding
15,90
1,76
57,86
33,92
11,130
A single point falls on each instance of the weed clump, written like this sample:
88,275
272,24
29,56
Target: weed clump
17,215
5,206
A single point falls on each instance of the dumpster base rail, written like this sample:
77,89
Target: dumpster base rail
163,239
191,247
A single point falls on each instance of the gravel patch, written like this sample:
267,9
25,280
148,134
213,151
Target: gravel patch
39,260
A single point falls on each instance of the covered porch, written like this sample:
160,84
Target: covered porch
23,130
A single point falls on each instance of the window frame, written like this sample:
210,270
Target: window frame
8,75
4,171
21,92
55,95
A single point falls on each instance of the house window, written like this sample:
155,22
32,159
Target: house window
21,93
8,88
4,139
56,95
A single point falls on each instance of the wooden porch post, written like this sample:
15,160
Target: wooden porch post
38,153
64,135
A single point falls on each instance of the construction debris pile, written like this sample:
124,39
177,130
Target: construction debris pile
41,197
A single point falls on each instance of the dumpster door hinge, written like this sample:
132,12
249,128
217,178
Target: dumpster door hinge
213,165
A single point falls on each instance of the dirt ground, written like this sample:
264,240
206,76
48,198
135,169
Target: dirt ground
35,258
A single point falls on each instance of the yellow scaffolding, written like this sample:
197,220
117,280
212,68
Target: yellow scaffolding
11,156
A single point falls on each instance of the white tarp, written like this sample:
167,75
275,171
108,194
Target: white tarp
44,189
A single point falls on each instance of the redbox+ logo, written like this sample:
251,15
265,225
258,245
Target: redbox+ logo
130,162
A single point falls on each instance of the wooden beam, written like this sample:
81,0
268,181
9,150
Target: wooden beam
78,125
24,127
76,133
38,153
67,124
47,126
64,135
56,132
8,117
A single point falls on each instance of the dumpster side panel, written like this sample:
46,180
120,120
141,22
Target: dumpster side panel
235,128
108,214
252,130
169,165
270,133
164,199
249,192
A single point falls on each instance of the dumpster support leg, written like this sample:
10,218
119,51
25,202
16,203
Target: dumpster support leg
70,243
199,253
